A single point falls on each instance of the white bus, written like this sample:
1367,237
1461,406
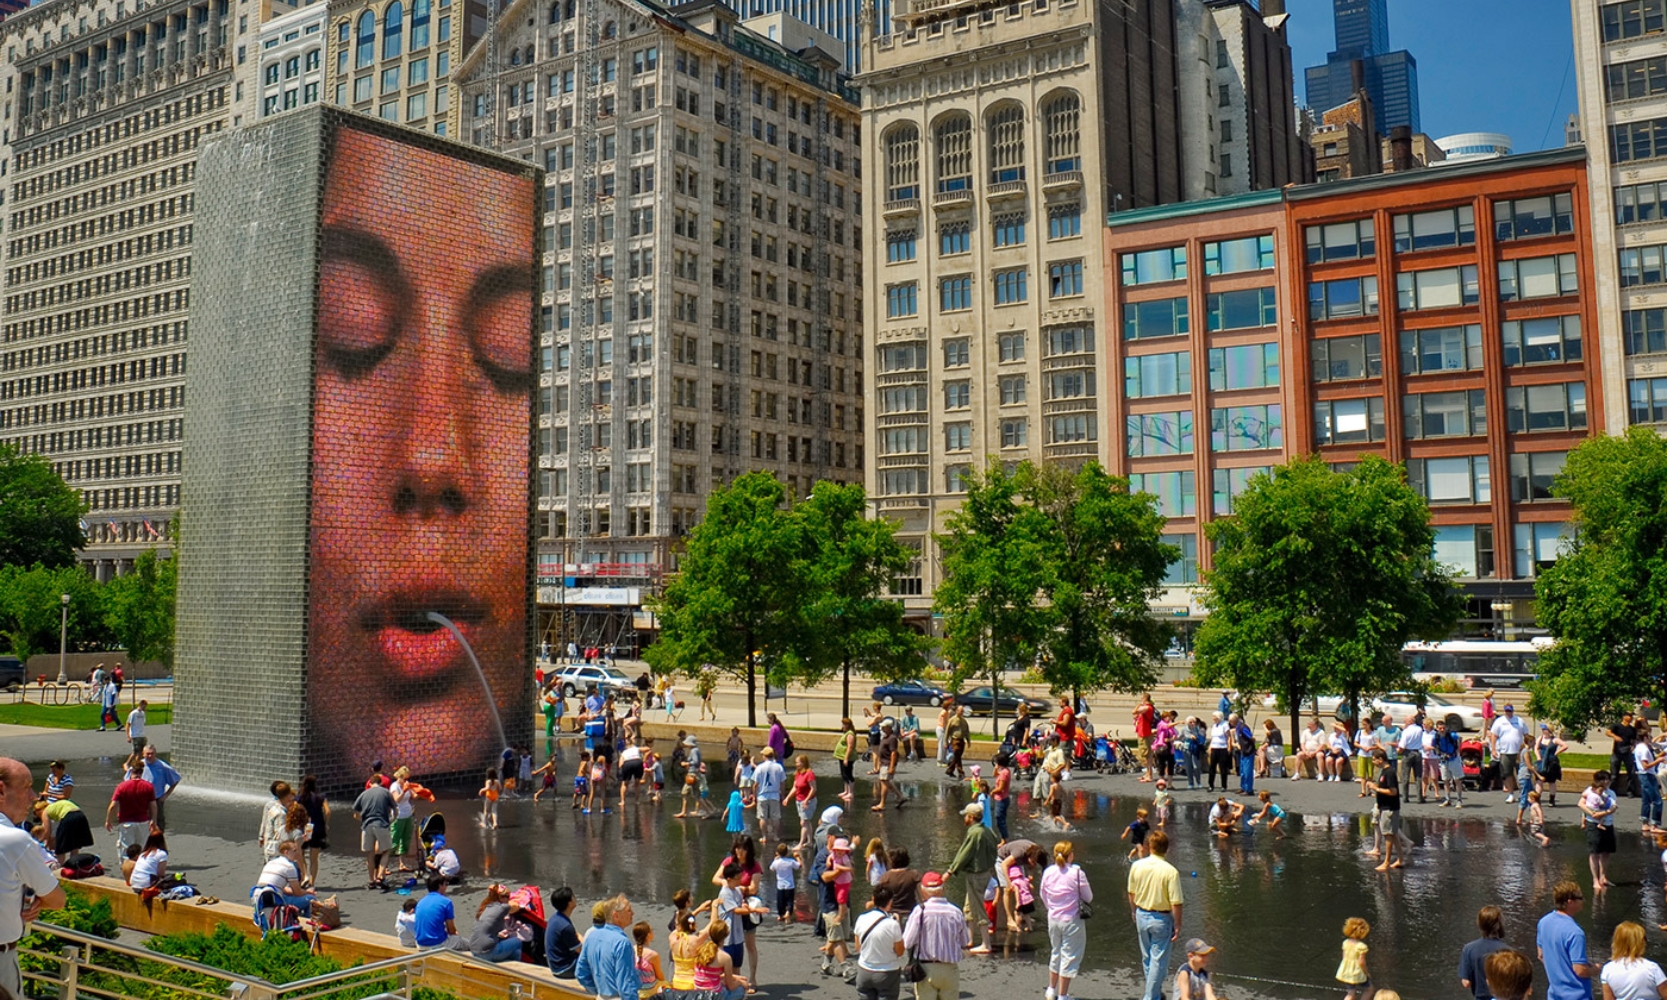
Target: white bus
1479,663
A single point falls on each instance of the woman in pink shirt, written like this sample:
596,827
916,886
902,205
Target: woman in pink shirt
804,797
1064,889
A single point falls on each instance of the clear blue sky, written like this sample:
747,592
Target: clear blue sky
1483,65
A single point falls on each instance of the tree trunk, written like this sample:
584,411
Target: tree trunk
752,689
995,702
1294,697
845,691
1351,697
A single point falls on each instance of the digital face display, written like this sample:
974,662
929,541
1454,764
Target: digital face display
422,408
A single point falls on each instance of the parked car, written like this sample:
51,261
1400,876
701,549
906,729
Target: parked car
1325,704
910,693
577,678
1401,705
12,673
983,701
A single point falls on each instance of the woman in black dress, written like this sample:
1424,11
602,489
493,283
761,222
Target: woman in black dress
318,812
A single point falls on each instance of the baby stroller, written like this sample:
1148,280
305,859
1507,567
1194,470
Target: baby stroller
1470,759
274,916
433,825
1025,762
528,922
1105,758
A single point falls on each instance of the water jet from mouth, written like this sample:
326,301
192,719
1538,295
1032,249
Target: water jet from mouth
491,702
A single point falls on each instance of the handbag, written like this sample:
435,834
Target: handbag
327,912
914,972
1085,909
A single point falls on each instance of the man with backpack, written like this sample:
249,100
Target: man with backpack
1244,753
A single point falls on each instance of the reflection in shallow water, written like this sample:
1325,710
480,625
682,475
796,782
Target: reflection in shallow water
1274,908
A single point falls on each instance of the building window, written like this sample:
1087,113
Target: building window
955,294
903,441
1640,203
1340,241
1246,428
1534,473
901,300
908,357
957,437
903,399
1633,19
1446,227
1069,340
1243,310
955,478
419,26
1549,340
1536,546
1176,492
365,47
957,395
1147,375
1337,359
957,353
1064,279
1527,218
902,145
953,139
1008,230
1010,347
1445,414
900,245
954,238
1252,253
1348,421
1441,349
903,482
1012,389
1466,549
1560,406
1151,434
1156,318
1061,117
1229,484
1010,286
1015,433
1644,330
1072,428
1149,266
1647,400
1442,288
1550,277
1343,298
1064,221
1251,366
1006,129
393,30
1639,266
1078,383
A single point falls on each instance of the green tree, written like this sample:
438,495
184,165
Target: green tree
139,609
1104,564
737,602
851,622
1605,598
994,567
1320,578
40,516
31,603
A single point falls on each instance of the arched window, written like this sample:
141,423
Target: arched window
393,30
1007,144
515,57
1061,117
953,138
902,163
609,29
529,58
555,12
419,24
366,53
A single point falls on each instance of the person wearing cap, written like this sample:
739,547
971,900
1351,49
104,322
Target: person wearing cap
694,765
768,779
59,785
914,748
1505,741
885,755
937,935
975,863
1155,904
445,862
1192,982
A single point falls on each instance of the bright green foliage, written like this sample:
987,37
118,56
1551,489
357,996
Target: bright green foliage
1605,598
1320,578
1104,563
139,609
31,606
852,624
739,597
40,516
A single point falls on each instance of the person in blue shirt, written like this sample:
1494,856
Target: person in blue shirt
561,941
437,919
1562,947
607,966
1225,705
163,778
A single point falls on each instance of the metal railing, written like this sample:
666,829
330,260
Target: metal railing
80,965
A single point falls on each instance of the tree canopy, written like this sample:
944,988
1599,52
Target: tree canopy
139,609
1605,598
40,515
1319,579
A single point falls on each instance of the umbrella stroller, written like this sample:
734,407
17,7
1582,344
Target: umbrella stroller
433,825
1476,775
528,922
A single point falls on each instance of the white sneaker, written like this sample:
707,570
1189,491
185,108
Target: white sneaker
1050,994
1511,797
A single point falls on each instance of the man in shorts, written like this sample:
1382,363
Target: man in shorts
886,755
374,809
769,777
1388,791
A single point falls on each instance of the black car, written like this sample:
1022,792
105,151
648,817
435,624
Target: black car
910,693
979,702
12,673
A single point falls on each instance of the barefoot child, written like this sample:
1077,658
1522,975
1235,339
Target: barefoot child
581,779
489,792
598,782
1536,819
839,862
1135,833
1160,802
1352,972
1273,812
786,868
549,780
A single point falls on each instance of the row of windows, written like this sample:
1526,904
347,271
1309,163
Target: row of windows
1004,127
1513,219
1059,341
1250,253
1233,428
1008,287
1560,406
1064,222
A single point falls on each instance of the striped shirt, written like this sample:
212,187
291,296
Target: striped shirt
937,931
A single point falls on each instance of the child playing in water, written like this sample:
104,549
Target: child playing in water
598,782
581,779
1160,802
1352,971
1273,812
489,792
549,781
839,863
735,815
786,868
1135,833
1536,819
745,780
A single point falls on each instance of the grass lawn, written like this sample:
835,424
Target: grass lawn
1595,761
74,716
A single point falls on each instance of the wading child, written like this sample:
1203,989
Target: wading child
1160,802
1536,819
489,792
1273,812
598,783
581,779
1352,971
735,815
786,868
548,781
1135,833
1018,878
839,862
745,780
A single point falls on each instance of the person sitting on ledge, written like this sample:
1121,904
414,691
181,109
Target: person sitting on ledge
283,875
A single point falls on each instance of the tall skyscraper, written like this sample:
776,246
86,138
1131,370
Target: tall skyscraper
1363,61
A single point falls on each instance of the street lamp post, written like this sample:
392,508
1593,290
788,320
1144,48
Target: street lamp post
63,636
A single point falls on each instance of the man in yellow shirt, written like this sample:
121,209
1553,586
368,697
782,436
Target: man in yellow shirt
1155,905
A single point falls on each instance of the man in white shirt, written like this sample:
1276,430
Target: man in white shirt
1221,758
879,940
769,777
1506,739
1312,748
136,727
27,885
1412,750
